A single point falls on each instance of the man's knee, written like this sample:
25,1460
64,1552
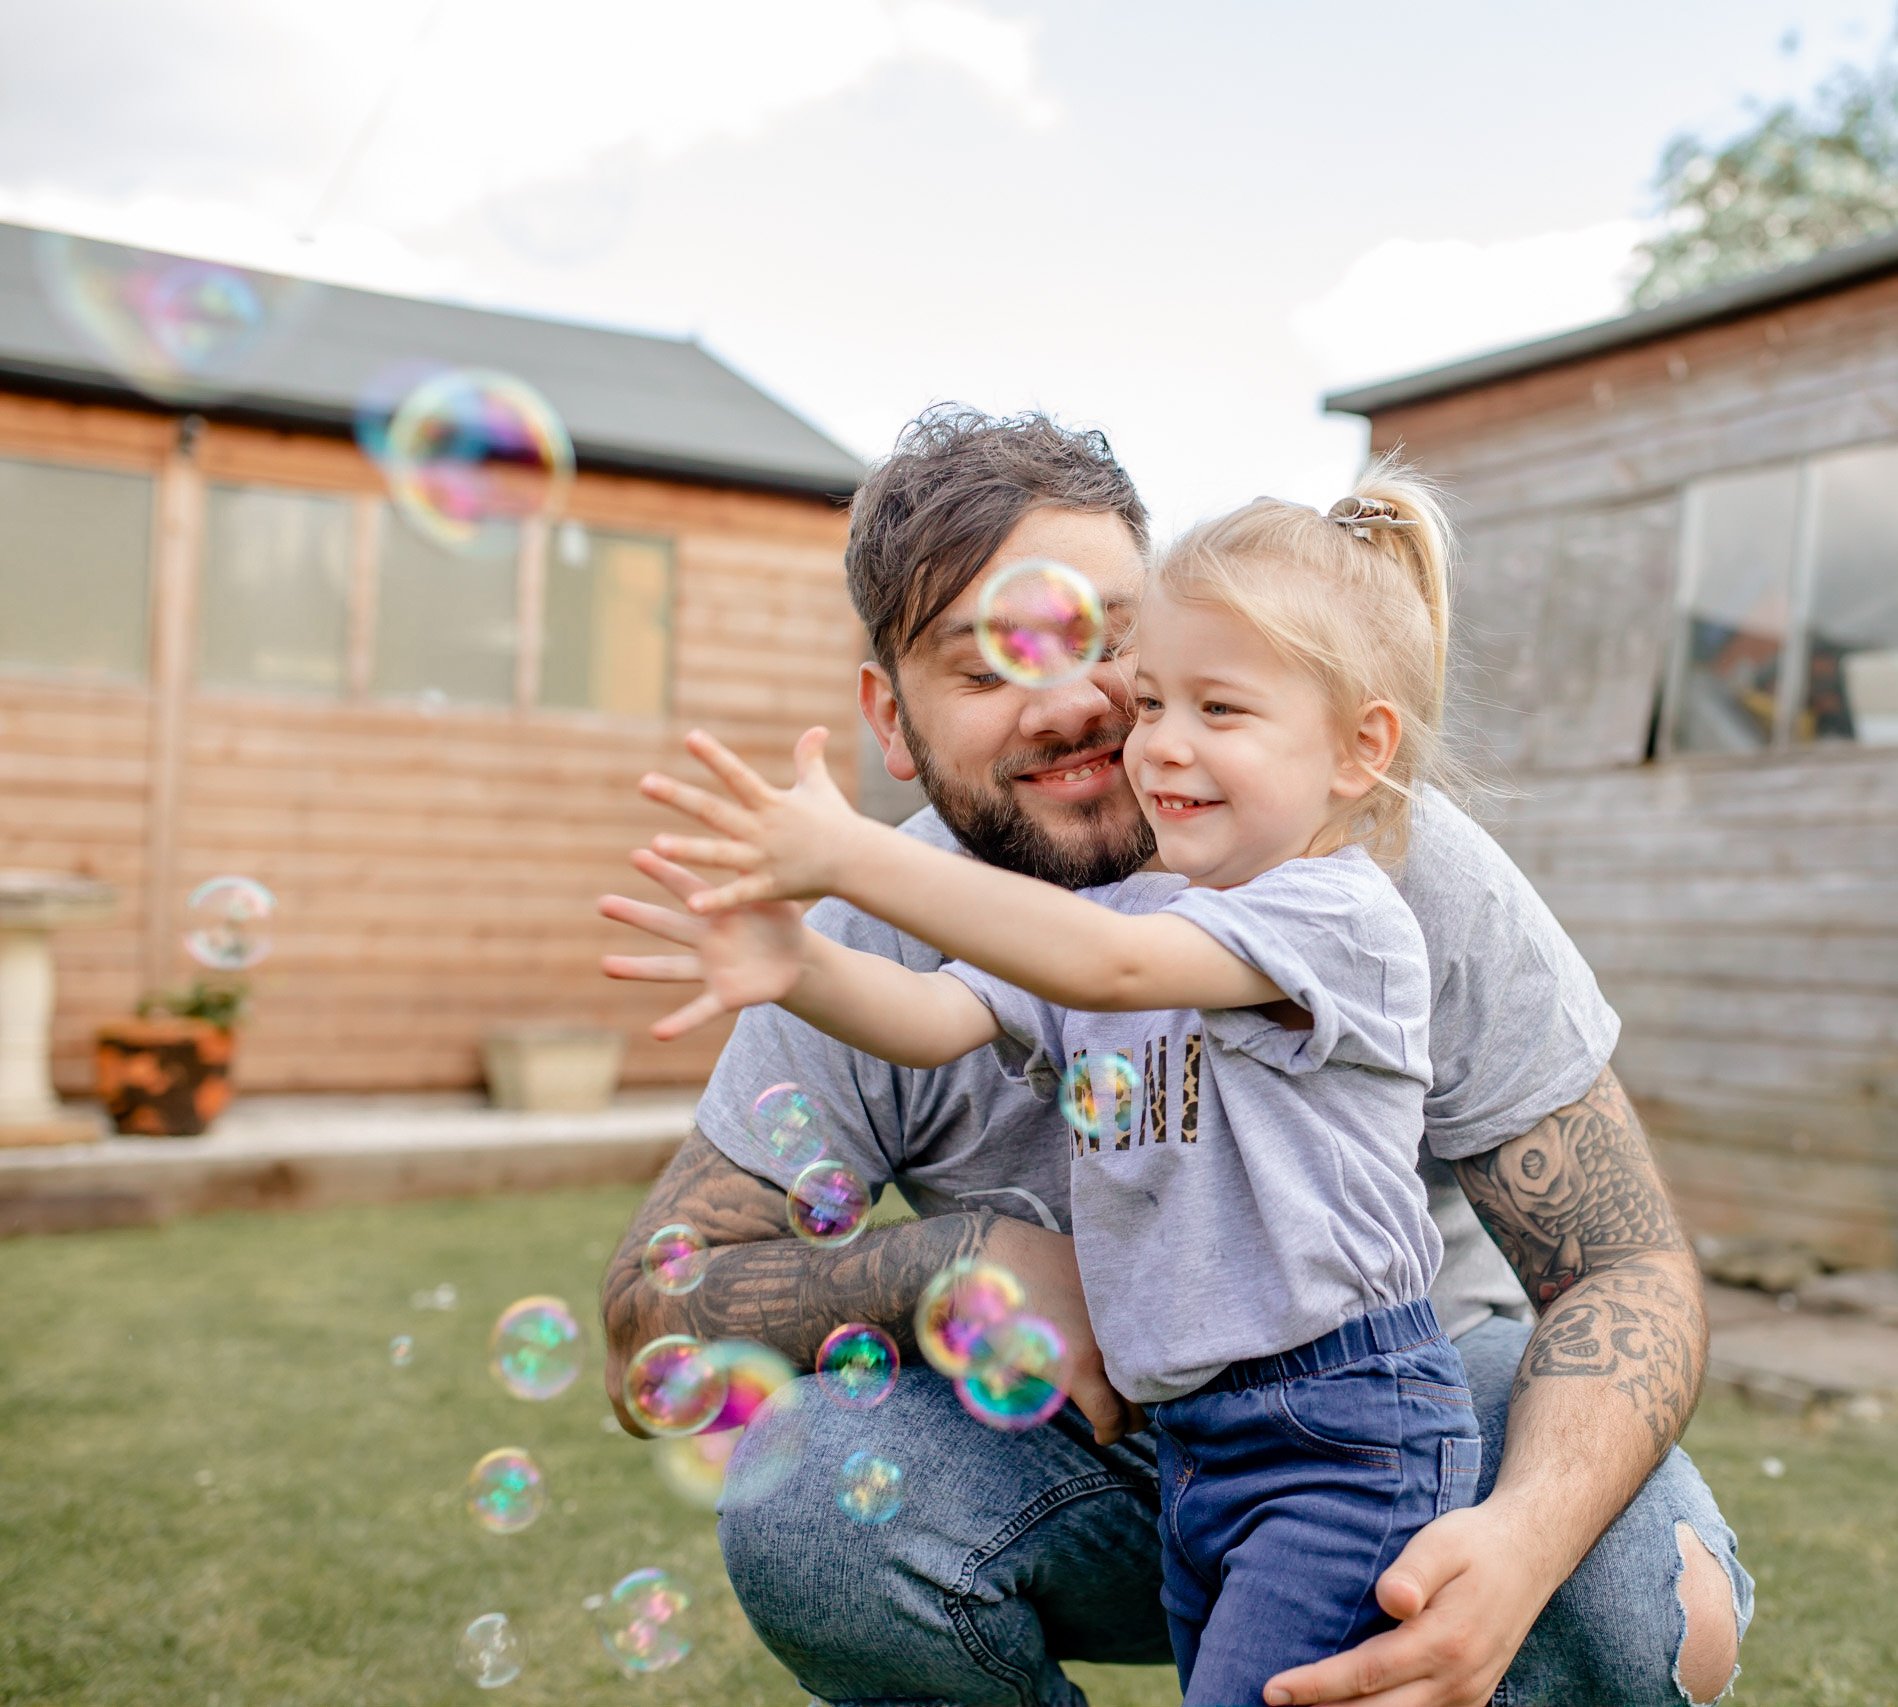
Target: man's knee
1710,1648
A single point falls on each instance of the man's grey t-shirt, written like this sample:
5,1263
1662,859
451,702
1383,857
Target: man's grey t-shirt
1255,1187
1518,1029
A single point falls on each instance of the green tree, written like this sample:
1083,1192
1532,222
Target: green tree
1799,180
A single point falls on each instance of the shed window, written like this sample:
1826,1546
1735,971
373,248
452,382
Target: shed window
607,631
273,611
1789,607
75,569
447,624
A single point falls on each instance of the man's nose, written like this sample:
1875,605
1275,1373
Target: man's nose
1068,710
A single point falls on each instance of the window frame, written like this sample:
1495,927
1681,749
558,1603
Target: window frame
591,716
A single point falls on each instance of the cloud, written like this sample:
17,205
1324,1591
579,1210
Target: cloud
1406,303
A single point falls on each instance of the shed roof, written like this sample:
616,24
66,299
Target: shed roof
632,402
1827,272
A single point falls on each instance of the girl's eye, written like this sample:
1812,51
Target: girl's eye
1146,705
1215,708
982,679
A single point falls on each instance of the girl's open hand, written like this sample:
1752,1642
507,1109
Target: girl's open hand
789,843
743,956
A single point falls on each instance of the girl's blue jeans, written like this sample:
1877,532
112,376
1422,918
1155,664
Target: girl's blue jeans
1289,1483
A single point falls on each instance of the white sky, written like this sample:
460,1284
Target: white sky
1182,223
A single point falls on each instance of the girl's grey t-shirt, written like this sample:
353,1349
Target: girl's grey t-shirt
1518,1029
1241,1187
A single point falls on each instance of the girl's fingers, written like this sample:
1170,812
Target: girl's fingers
694,1014
674,878
709,809
654,920
740,893
747,786
654,968
703,850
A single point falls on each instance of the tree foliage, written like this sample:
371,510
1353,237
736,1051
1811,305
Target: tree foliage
1802,178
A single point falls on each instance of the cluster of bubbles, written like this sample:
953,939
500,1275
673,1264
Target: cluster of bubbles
180,330
468,454
1040,623
227,923
973,1325
1100,1094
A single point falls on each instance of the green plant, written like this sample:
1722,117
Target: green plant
218,1002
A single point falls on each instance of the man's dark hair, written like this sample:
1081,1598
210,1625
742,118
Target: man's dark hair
936,509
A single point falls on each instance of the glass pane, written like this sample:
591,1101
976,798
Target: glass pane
274,606
445,624
1852,633
1740,533
607,623
75,569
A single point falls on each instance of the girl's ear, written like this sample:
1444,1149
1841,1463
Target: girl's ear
1368,750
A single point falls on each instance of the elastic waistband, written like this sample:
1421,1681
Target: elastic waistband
1396,1327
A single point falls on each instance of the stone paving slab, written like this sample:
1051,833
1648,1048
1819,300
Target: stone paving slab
1793,1359
315,1151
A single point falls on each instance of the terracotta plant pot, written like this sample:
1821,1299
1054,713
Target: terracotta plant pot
164,1078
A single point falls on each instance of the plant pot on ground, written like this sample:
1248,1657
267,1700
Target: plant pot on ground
166,1074
552,1068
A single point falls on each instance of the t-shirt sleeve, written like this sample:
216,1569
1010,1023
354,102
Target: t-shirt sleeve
1518,1026
1335,937
856,1100
1030,1049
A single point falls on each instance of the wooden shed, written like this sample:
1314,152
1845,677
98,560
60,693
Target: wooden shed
1677,641
222,652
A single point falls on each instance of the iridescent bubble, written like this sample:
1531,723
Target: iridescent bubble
966,1301
857,1365
673,1387
749,1374
1040,623
674,1259
382,395
869,1488
827,1204
534,1350
227,923
505,1491
491,1651
472,454
786,1120
1100,1096
694,1466
1014,1376
181,330
402,1351
639,1622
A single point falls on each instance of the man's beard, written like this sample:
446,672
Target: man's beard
995,828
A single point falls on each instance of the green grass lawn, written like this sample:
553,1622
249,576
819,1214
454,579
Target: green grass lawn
218,1491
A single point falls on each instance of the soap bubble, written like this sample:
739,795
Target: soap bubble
827,1204
534,1350
673,1387
857,1365
1100,1096
471,454
402,1351
963,1303
227,923
1773,1468
505,1491
785,1120
1040,623
674,1260
183,331
748,1375
491,1651
869,1488
693,1466
1014,1376
382,395
638,1622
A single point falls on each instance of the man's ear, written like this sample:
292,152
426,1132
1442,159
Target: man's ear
876,699
1368,750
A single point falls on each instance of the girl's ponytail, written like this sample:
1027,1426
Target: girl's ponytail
1401,513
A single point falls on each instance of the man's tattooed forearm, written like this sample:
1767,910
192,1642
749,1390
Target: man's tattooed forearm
761,1284
1638,1327
1575,1193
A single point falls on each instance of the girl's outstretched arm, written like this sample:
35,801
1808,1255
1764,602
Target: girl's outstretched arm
807,841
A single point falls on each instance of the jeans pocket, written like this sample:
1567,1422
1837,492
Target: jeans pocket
1459,1463
1348,1413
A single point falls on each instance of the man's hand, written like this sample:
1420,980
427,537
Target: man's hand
1044,1262
743,957
1466,1592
